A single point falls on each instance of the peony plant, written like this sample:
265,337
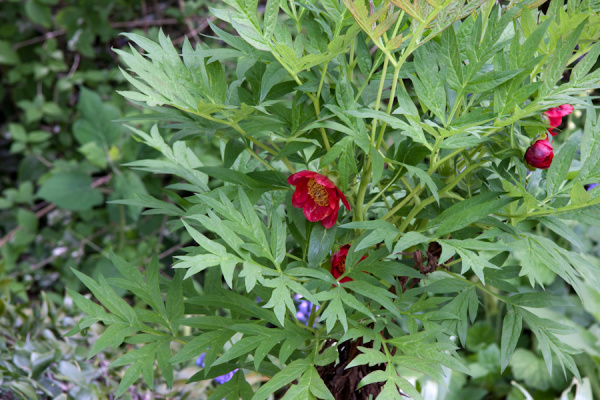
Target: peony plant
421,118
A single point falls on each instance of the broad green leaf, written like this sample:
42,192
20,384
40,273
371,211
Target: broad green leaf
424,179
378,294
414,132
131,375
560,165
114,335
320,243
562,229
195,347
462,140
511,331
469,211
280,300
108,298
270,17
584,66
239,348
71,190
579,195
490,80
334,312
284,377
8,56
409,239
274,73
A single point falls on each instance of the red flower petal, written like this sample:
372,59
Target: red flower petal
324,181
299,176
314,212
554,121
329,221
300,196
560,111
344,200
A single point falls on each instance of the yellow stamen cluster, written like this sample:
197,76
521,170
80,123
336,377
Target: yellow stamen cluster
318,193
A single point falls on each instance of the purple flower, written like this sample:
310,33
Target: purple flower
303,310
219,379
591,186
225,378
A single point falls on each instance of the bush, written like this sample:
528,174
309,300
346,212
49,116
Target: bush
449,259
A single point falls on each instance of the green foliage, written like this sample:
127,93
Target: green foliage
420,114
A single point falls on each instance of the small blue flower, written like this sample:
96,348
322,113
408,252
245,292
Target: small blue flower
303,310
225,378
219,379
591,186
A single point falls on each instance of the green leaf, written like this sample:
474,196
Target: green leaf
410,239
278,238
7,55
96,122
378,294
377,165
320,244
490,80
462,140
239,348
71,190
284,377
584,66
274,73
280,300
231,176
270,17
334,152
335,311
560,165
558,60
107,297
424,179
233,149
351,301
579,195
529,368
315,384
531,45
195,347
38,13
560,228
590,143
131,375
469,211
451,53
413,131
112,336
365,63
511,331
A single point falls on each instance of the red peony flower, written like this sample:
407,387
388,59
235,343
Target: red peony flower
539,154
317,196
338,263
555,116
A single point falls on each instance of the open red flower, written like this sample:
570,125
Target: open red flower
318,197
338,263
555,116
539,154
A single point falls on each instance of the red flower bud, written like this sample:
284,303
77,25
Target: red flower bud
539,154
555,116
338,263
318,197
